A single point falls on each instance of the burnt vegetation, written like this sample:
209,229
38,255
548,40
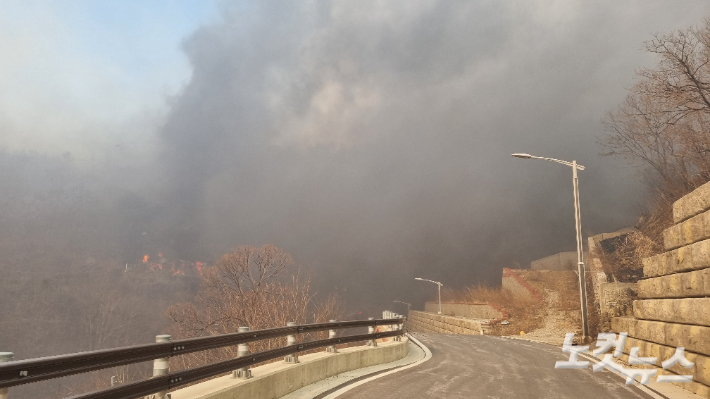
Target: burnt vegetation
81,271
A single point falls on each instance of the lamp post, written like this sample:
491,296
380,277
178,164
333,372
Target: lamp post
409,306
578,227
437,283
354,313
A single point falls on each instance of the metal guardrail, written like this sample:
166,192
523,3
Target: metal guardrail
34,370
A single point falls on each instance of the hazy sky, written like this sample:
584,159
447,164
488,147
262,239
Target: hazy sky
80,75
370,139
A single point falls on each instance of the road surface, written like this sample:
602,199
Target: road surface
479,366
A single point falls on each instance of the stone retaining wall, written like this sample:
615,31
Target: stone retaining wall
700,369
686,310
429,322
679,285
692,338
675,309
691,257
471,311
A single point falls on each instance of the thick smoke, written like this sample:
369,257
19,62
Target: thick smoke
371,139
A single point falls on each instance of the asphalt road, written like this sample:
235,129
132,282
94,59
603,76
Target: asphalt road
478,366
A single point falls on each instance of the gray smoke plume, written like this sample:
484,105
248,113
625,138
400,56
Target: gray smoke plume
372,140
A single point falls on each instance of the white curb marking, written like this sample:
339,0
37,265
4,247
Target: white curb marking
427,356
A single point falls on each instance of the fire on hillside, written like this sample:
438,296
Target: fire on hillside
158,263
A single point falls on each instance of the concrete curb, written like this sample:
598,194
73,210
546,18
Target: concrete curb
427,356
277,379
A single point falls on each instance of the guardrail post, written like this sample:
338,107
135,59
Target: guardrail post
371,330
331,334
5,357
242,350
401,327
395,327
161,366
291,340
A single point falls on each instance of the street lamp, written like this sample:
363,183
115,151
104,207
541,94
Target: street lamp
437,283
354,313
409,305
580,260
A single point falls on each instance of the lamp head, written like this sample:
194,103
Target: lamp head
521,155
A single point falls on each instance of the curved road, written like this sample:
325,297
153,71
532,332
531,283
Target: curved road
479,366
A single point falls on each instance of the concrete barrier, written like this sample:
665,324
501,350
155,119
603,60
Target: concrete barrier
275,380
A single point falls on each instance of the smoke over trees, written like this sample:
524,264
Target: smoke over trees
252,287
664,123
67,236
663,127
375,147
368,139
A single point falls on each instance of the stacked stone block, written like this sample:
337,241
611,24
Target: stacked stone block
470,311
428,322
674,305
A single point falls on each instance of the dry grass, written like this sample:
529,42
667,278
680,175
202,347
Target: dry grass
524,313
624,262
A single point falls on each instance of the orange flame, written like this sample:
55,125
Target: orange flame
198,266
145,258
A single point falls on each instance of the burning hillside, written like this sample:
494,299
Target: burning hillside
159,263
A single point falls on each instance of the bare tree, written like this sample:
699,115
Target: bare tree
664,122
248,287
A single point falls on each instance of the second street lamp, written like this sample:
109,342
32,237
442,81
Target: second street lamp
578,227
409,305
435,282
